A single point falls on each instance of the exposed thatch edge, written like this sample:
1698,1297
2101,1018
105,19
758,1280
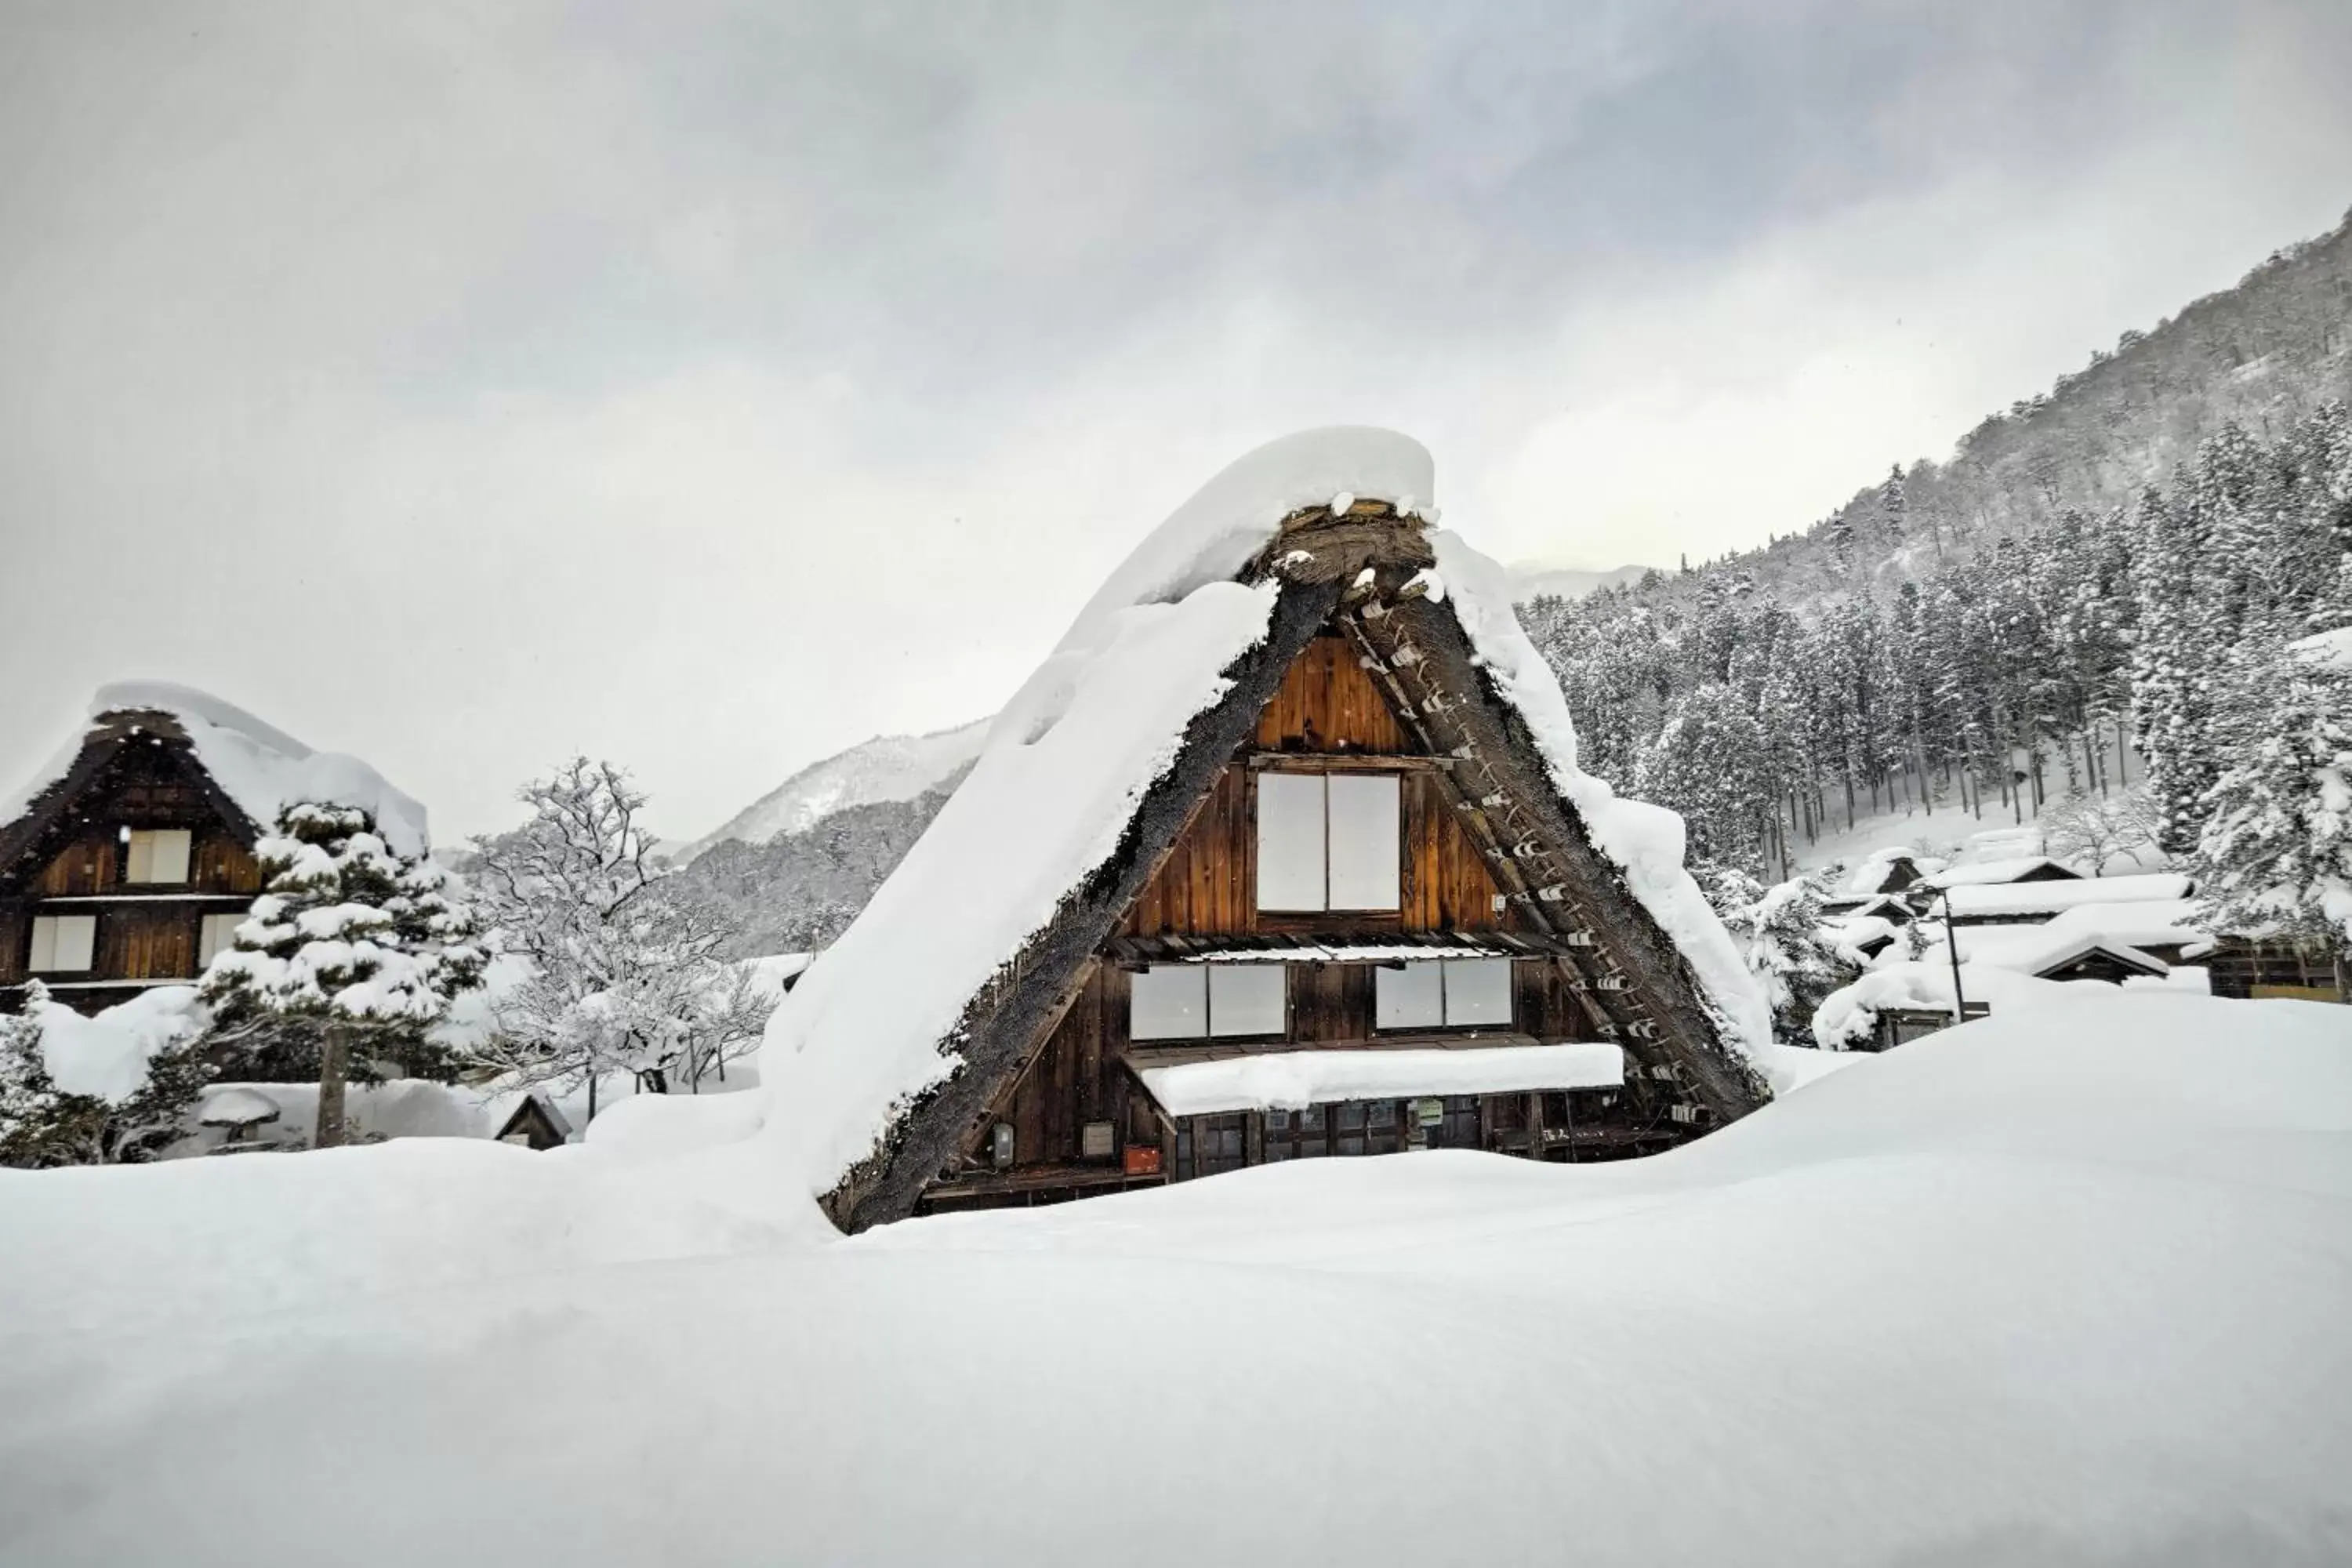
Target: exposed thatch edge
1691,1035
1002,1025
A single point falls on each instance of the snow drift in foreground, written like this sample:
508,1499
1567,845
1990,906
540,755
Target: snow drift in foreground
1072,755
2067,1285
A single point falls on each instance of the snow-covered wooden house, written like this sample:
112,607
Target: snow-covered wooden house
2036,901
1283,853
128,861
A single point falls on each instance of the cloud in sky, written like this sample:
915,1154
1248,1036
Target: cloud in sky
711,385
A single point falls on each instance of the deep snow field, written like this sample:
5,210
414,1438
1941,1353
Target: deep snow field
2072,1285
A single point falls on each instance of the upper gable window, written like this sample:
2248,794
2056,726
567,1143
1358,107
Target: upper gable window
157,855
63,944
1329,841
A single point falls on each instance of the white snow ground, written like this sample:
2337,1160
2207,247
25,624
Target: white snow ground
2067,1285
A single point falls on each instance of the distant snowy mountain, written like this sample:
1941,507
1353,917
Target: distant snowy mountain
1534,579
887,768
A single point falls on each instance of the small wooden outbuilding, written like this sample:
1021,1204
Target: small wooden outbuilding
535,1123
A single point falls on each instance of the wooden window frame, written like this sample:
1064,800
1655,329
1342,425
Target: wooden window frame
33,942
1444,1001
1209,973
1392,778
130,857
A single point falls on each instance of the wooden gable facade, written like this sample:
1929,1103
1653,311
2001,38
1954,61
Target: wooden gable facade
1058,1101
121,875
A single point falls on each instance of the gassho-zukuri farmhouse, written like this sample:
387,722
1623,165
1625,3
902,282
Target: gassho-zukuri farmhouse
1283,853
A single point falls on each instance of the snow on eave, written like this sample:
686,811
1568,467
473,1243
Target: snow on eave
868,1032
1292,1080
262,769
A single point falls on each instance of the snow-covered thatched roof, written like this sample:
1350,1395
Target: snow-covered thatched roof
2028,898
260,769
2011,868
874,1025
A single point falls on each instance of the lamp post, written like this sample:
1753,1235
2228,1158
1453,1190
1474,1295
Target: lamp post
1952,945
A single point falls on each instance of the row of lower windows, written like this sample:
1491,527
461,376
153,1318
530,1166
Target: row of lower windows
1207,1145
1204,1001
67,944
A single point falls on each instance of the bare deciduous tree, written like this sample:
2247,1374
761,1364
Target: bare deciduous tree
626,967
2094,829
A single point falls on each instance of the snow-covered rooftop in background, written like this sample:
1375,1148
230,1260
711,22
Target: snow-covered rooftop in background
2049,897
1072,755
2148,922
236,1105
1870,876
1982,873
263,769
1292,1080
2328,650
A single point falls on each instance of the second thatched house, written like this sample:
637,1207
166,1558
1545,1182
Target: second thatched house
128,860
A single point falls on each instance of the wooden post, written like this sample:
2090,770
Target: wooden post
334,1070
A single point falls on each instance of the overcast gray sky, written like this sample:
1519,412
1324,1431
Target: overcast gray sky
712,385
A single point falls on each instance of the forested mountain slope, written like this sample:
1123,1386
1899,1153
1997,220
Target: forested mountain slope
887,768
2261,356
2117,561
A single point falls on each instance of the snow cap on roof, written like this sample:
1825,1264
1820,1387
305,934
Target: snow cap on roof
1209,539
1870,876
265,770
1985,873
2049,897
236,1105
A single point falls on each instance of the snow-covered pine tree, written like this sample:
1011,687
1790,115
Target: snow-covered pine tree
350,942
1707,763
1780,935
2172,655
2275,858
